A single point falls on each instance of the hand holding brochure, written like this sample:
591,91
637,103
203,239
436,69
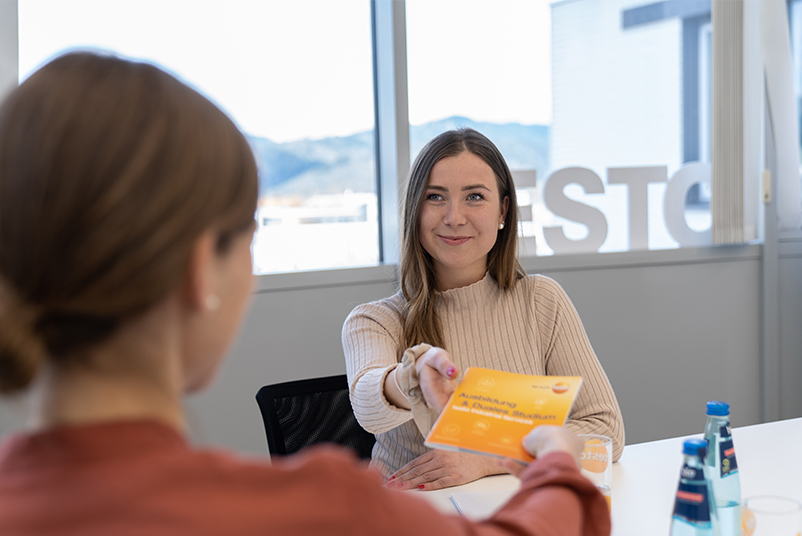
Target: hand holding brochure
491,411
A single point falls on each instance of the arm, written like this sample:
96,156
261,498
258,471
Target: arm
554,500
567,352
371,337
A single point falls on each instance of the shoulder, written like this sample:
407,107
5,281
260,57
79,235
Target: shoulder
252,494
540,287
306,477
386,311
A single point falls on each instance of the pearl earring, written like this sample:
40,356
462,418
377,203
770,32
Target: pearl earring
500,226
212,302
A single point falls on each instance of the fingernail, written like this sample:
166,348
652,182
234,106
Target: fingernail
392,477
421,486
451,371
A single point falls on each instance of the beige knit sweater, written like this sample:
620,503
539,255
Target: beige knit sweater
532,328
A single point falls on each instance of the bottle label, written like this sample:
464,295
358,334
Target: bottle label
726,451
692,504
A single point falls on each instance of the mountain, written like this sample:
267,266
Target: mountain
335,164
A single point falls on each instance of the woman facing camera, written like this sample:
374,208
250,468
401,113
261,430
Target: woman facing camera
126,217
465,296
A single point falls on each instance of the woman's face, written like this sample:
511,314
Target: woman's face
459,218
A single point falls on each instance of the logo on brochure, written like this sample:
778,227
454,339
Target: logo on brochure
481,426
451,429
486,382
560,387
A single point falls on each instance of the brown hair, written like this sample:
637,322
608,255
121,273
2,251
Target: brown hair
421,323
109,171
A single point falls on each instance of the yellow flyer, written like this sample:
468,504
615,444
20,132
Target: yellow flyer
491,411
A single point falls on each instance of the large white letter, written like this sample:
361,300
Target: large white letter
674,204
637,179
557,202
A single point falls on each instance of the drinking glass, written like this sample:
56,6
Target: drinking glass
597,463
769,515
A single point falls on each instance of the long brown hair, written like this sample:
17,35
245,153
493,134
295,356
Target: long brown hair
109,171
418,282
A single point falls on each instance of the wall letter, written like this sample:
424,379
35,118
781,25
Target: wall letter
638,179
557,202
674,204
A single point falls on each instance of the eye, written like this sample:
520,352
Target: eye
434,197
475,197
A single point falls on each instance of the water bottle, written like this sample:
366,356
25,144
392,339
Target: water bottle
722,468
694,508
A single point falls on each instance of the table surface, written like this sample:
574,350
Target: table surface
645,478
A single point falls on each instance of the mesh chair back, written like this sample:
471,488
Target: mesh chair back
302,413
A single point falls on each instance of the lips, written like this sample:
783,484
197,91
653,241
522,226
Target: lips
454,240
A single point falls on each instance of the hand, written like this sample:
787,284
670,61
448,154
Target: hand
437,375
440,469
545,439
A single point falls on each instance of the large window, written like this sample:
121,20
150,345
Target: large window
486,65
593,84
297,78
599,86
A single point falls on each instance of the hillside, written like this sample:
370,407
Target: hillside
335,164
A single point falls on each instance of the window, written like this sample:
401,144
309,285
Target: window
603,85
296,76
596,84
486,65
795,18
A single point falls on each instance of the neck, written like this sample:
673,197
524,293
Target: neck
134,375
451,279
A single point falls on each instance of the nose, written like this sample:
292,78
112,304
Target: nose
454,215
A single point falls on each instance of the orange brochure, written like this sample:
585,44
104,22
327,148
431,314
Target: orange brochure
491,411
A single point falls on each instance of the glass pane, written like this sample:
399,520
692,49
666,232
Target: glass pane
558,85
297,78
795,16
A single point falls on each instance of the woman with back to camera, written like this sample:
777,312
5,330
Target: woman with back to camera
126,217
465,296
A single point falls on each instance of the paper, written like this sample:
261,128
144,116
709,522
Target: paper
491,411
480,505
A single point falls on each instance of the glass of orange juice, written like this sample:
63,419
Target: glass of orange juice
597,463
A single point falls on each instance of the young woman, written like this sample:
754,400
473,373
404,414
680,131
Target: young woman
464,295
126,217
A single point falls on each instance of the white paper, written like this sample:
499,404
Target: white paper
480,505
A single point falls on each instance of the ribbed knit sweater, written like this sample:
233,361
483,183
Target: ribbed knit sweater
532,328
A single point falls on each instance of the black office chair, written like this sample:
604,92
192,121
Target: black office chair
302,413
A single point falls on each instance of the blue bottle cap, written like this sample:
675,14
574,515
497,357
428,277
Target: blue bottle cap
718,408
695,447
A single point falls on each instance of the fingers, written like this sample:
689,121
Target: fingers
546,438
513,467
414,473
437,375
439,360
440,469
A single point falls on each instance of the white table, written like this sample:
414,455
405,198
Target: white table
645,479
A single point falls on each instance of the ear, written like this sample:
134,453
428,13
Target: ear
505,205
199,276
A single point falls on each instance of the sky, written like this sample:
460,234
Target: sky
289,70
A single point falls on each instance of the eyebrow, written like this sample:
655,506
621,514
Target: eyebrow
464,188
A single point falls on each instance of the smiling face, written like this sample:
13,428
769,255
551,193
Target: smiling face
459,219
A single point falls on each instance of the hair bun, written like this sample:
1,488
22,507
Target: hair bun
21,351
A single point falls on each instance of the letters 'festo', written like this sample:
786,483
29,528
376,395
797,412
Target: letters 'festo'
637,180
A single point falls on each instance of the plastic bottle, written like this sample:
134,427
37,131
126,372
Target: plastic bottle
722,468
694,510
